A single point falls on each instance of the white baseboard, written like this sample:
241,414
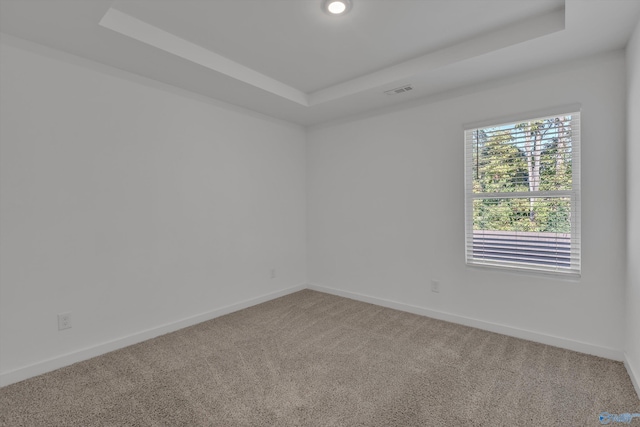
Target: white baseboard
633,374
581,347
39,368
20,374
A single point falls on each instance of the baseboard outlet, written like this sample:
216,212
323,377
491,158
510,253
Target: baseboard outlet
581,347
58,362
633,374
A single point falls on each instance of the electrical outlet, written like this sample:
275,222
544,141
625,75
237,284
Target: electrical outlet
273,273
435,286
64,321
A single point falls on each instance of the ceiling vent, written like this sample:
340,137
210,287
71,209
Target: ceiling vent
401,89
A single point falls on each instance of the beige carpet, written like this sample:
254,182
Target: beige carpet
312,359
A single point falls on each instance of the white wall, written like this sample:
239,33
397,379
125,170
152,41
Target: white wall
633,209
386,210
133,205
140,208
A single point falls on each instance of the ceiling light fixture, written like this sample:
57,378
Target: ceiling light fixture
336,7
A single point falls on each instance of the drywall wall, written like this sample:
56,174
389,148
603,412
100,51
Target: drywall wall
133,206
386,210
632,348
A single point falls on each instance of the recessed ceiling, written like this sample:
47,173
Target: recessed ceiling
290,60
293,42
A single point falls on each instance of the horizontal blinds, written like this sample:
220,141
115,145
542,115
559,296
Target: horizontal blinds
523,194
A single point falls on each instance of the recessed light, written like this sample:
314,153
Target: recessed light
336,7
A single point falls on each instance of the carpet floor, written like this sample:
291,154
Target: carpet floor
313,359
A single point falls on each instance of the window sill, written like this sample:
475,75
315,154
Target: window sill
523,271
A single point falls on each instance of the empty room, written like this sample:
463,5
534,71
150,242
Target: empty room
319,213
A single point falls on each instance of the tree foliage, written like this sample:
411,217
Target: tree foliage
526,158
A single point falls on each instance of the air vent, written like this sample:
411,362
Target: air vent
401,89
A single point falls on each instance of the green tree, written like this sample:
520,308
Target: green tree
500,167
532,156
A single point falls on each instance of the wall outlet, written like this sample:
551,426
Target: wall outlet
435,286
273,273
64,321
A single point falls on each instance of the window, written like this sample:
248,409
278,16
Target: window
523,195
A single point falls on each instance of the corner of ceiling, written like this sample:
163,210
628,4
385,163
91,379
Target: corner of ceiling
136,29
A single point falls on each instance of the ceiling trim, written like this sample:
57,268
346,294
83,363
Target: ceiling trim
512,34
146,33
518,32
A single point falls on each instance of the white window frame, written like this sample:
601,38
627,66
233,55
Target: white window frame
574,270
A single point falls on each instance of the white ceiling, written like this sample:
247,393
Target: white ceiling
288,59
